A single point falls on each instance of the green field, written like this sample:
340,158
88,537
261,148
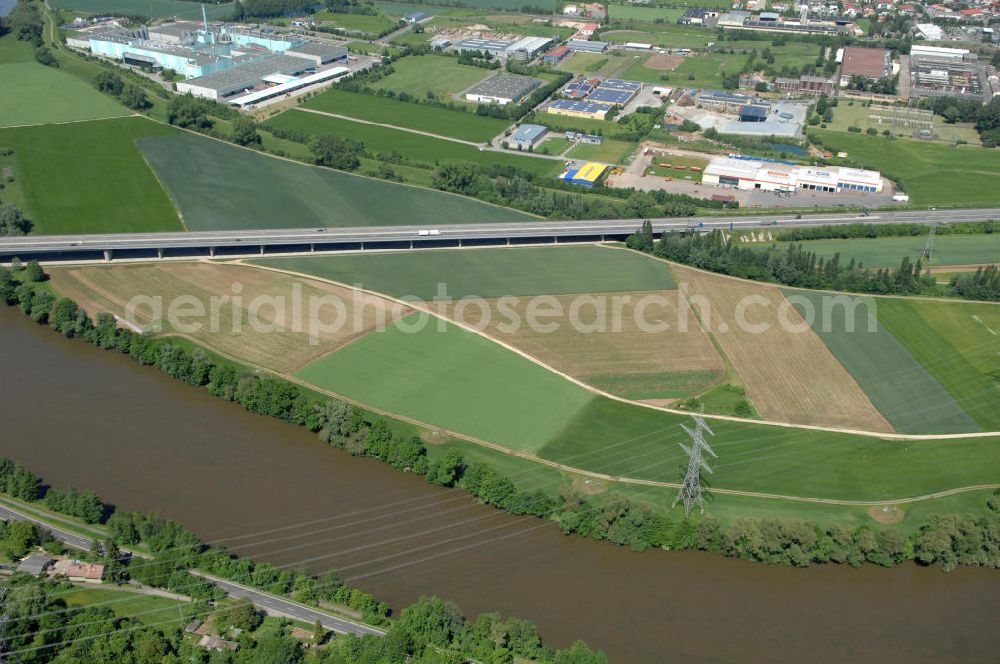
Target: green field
667,36
707,69
490,272
889,251
931,173
610,151
645,14
149,8
959,344
901,388
454,379
415,147
584,63
217,186
456,124
855,114
90,177
46,94
164,613
624,440
363,23
438,74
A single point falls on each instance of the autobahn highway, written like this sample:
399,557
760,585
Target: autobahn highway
251,242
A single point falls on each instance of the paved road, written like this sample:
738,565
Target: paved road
378,236
270,604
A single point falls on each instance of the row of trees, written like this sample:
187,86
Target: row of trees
872,231
130,94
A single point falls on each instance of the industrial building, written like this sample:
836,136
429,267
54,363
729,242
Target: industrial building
753,113
748,173
527,136
503,89
866,62
321,53
243,78
587,175
804,85
556,55
525,48
608,92
587,46
723,102
477,45
578,109
289,85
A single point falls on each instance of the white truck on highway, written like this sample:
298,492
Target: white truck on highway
428,231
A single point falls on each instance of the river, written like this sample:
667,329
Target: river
92,419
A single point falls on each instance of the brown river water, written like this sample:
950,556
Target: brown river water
88,418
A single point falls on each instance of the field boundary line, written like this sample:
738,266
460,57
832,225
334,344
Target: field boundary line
599,392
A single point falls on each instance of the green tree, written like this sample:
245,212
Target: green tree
33,272
109,82
188,112
12,221
134,97
45,57
336,152
242,615
245,131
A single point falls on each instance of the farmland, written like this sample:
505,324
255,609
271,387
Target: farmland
45,94
902,389
416,147
645,14
453,379
438,74
148,8
262,330
371,26
217,186
931,173
668,36
457,124
610,151
789,374
889,251
489,272
90,177
706,71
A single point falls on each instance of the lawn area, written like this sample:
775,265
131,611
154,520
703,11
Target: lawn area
645,14
899,385
457,124
218,186
454,379
610,151
707,69
554,145
584,63
45,94
492,272
889,251
958,344
416,147
163,613
90,177
625,440
670,36
931,173
369,25
435,73
148,8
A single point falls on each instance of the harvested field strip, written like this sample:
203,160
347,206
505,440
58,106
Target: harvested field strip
958,344
629,342
453,379
494,272
900,387
623,440
219,186
788,372
265,329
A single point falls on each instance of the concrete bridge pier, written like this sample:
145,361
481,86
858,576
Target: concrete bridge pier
211,252
159,253
107,255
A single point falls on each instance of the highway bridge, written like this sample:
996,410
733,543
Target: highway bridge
306,240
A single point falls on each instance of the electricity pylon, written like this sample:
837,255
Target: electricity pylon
691,489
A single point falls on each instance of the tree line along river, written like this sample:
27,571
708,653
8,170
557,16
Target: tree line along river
83,417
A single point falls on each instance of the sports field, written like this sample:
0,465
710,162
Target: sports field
90,177
902,389
491,273
457,124
789,374
264,328
889,251
435,73
416,147
150,8
45,94
931,173
453,379
217,185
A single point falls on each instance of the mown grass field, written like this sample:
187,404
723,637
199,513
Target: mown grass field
625,440
263,330
931,173
494,272
453,379
610,151
435,73
368,25
416,147
584,63
149,8
217,186
670,36
90,177
457,124
646,14
959,344
161,612
707,69
902,388
889,251
36,94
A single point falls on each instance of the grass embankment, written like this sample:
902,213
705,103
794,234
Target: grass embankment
445,122
889,251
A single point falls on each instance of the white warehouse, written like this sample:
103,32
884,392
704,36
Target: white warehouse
746,173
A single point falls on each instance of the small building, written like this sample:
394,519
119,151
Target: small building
503,89
587,175
193,626
527,136
415,17
592,139
723,102
753,113
82,572
578,109
527,48
930,31
556,55
440,42
211,642
35,564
